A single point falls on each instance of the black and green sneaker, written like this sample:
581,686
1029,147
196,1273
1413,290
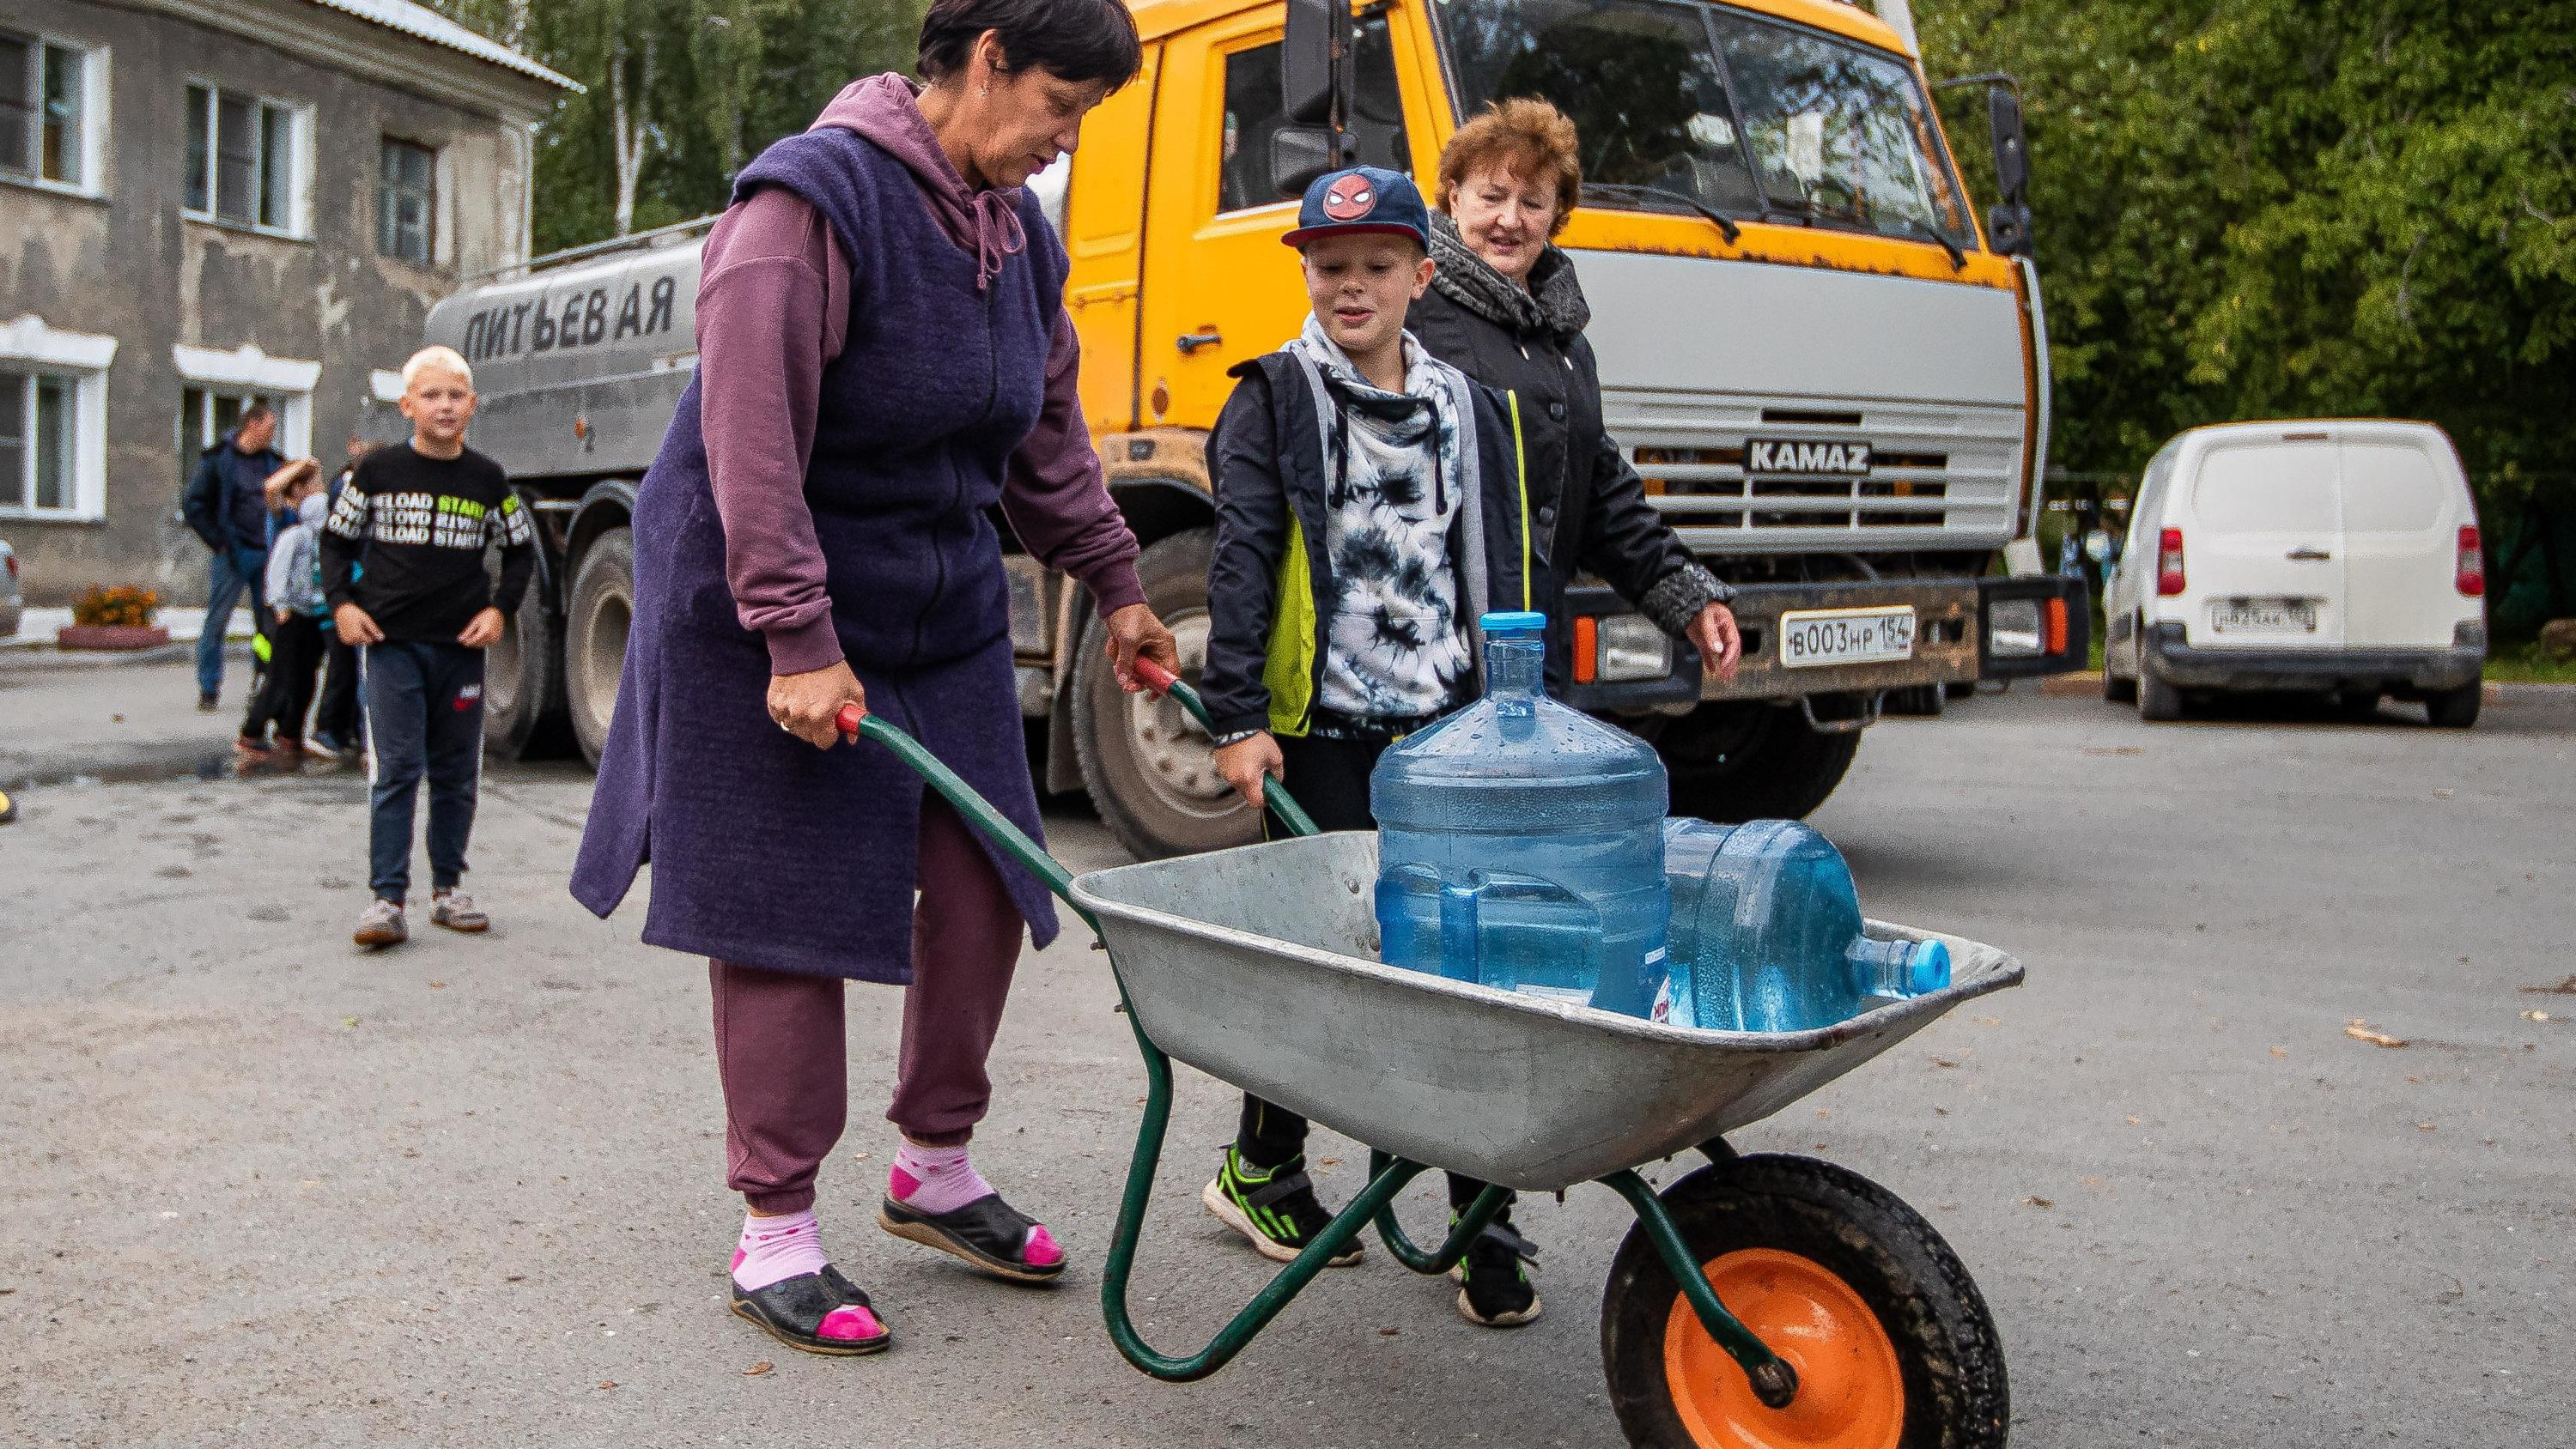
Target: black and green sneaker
1493,1285
1274,1208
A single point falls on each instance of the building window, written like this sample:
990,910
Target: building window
46,110
406,192
206,414
39,441
246,160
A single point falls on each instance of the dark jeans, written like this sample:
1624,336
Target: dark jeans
294,653
424,716
1330,778
336,717
229,575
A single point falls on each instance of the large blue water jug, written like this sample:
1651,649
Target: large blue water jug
1766,931
1520,843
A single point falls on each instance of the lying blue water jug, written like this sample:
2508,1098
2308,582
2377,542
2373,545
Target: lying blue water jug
1766,931
1520,843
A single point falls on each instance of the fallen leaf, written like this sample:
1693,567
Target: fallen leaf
2423,1126
2134,1122
348,1021
516,1278
1943,1062
2563,988
1328,1162
1987,1020
1824,1111
756,1370
2535,1016
438,986
2037,1202
2360,1030
608,1383
2280,1051
2444,794
2092,1181
1389,1332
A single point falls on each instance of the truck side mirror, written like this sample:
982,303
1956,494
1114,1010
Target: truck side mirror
1311,58
2008,222
1299,154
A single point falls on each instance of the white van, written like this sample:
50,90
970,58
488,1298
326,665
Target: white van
2339,557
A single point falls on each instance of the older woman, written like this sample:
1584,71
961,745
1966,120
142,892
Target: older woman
883,357
1505,308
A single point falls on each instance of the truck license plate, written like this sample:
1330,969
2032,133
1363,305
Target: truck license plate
2265,616
1846,636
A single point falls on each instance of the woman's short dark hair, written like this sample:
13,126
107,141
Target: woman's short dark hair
1074,40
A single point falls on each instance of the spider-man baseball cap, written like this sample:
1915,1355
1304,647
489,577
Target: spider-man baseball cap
1360,200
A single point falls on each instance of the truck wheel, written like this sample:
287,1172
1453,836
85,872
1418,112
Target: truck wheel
2456,709
1150,768
1738,761
595,625
1925,700
523,684
1892,1342
2158,701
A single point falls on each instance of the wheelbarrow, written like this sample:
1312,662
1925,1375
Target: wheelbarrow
1759,1301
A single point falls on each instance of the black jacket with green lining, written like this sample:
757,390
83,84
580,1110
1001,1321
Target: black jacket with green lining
1271,582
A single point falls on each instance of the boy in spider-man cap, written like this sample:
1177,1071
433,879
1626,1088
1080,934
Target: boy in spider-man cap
1369,508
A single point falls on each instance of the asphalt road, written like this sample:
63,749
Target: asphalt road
262,1189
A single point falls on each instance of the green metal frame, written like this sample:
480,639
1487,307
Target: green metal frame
1773,1380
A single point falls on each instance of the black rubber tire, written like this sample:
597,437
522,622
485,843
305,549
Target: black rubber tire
1960,689
1948,1353
2456,709
2117,689
1925,701
1734,761
523,690
2158,701
1182,807
595,627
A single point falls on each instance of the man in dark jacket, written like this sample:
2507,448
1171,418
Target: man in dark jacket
225,506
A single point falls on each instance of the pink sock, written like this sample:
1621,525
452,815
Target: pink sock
941,1180
774,1249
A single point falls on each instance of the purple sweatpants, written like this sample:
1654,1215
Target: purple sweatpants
784,1060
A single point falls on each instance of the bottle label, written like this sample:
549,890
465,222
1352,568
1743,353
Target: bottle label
1662,1010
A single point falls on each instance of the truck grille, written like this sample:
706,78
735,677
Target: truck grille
1940,476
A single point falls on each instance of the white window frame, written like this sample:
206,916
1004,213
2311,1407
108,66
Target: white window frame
92,141
29,347
429,222
286,382
299,155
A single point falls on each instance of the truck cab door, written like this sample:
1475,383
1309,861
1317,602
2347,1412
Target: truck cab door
1104,233
1219,287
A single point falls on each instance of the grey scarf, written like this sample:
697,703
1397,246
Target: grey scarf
1553,302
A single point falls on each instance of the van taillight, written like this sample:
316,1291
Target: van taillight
2472,575
2169,579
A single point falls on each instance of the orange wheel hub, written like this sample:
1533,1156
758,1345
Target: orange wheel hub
1851,1395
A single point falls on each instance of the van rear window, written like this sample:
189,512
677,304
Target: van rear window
2391,488
2267,488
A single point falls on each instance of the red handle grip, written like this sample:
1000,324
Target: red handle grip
1156,677
848,720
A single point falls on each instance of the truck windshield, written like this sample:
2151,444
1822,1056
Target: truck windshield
1759,118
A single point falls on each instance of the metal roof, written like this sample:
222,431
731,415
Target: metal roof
423,23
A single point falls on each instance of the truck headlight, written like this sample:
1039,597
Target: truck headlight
1632,648
2014,627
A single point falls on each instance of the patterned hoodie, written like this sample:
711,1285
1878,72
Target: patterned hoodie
1395,649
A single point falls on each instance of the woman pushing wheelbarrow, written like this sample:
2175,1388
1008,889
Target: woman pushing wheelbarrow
884,355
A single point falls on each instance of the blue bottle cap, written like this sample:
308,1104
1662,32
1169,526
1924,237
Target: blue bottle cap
1507,624
1929,970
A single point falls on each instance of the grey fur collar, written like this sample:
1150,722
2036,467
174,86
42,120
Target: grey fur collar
1553,304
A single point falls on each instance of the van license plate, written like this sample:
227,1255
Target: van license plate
1846,636
2264,616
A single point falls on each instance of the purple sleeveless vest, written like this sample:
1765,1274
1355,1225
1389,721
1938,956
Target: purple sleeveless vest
766,851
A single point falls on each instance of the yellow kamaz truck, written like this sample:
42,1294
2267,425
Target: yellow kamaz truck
1833,379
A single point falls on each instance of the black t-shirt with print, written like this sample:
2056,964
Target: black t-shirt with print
407,539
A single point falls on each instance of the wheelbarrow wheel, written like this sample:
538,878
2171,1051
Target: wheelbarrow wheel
1892,1343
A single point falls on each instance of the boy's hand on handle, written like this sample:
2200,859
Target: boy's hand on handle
483,630
354,627
1134,631
1713,633
808,705
1245,764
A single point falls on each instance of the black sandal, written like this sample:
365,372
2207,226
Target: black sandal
988,1232
792,1311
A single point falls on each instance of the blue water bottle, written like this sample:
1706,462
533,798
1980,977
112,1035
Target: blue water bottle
1520,843
1766,931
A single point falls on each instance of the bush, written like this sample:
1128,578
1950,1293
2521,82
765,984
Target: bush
125,604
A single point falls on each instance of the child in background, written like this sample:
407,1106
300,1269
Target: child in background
297,631
286,491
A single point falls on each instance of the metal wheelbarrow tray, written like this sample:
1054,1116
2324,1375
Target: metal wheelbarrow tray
1257,966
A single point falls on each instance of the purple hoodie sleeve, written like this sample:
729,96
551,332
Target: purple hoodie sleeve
773,303
1055,497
